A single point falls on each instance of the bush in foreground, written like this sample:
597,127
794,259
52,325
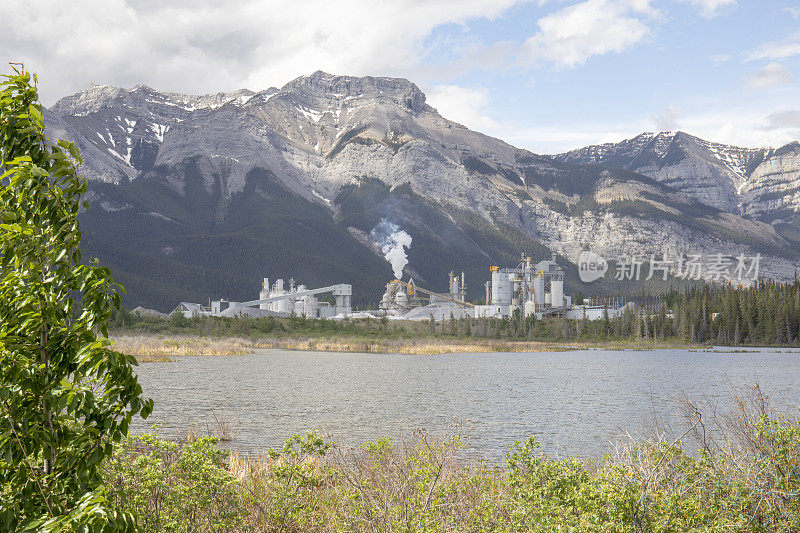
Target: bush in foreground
748,479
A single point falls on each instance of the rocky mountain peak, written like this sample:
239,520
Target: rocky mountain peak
87,101
142,99
730,178
792,148
329,86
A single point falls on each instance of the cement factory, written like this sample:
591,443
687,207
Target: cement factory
279,300
529,288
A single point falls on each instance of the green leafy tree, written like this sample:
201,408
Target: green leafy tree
65,396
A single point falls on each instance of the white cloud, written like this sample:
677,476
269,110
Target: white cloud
710,8
467,106
794,11
788,47
786,118
668,119
719,59
773,75
205,45
570,36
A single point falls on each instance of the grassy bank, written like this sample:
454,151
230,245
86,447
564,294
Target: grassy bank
160,347
151,338
746,480
152,348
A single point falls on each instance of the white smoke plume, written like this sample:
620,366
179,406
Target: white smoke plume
393,243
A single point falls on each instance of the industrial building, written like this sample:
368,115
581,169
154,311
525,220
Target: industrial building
303,301
401,296
407,301
279,300
595,312
532,289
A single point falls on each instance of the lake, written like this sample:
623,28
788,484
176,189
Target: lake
575,402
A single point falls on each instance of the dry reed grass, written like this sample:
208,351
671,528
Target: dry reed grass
413,346
148,348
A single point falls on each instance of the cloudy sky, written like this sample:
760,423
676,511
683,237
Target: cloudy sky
547,75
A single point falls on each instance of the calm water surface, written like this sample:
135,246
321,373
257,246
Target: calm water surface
575,402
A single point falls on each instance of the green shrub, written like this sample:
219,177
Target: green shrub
174,487
419,483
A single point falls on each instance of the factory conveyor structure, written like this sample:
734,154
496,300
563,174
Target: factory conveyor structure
413,288
278,299
342,293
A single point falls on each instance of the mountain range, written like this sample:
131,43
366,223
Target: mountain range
200,196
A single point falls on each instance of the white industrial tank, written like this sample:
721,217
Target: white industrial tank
496,283
506,289
538,290
557,290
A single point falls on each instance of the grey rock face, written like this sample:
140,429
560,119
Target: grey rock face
98,165
760,183
130,125
320,134
773,190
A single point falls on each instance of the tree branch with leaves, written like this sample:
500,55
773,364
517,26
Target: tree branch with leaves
65,395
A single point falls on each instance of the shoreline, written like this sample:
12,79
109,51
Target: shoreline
161,348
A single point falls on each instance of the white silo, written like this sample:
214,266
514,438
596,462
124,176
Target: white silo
506,288
281,306
557,292
538,290
264,293
297,304
496,284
